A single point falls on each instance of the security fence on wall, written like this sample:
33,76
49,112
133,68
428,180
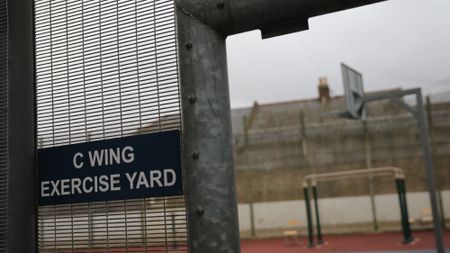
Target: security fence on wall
107,69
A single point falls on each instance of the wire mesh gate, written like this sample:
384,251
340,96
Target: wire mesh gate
106,69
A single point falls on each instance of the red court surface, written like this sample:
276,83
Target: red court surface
387,242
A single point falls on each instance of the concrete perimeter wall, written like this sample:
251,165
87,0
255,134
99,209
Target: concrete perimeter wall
285,142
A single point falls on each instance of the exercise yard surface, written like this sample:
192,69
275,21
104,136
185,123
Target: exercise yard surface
360,243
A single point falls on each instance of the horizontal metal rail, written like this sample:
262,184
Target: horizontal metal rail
382,171
273,18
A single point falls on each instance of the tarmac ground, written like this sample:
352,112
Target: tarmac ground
389,242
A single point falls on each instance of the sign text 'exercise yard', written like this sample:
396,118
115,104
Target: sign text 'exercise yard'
125,168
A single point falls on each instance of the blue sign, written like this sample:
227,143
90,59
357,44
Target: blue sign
132,167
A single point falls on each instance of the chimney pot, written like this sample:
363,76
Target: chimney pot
324,90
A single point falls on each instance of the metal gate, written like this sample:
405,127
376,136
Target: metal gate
106,69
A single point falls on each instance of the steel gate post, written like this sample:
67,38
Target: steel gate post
207,139
17,128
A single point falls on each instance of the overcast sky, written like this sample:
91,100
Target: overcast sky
398,43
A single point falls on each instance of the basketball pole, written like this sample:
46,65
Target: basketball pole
424,138
419,115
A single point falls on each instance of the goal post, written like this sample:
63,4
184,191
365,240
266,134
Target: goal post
310,185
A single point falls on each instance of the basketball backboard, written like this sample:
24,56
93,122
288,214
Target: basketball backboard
354,91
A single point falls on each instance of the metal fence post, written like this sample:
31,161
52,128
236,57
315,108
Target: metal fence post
207,138
435,156
407,225
368,151
17,128
174,232
308,216
316,207
252,220
406,229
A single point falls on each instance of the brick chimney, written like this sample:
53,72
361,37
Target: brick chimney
324,90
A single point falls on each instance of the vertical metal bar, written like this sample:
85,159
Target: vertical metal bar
303,132
398,187
90,226
50,12
252,219
125,204
406,229
20,121
207,138
71,228
100,72
316,207
107,225
119,76
4,125
166,245
431,183
429,113
369,165
155,54
245,123
144,213
55,232
174,232
308,216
